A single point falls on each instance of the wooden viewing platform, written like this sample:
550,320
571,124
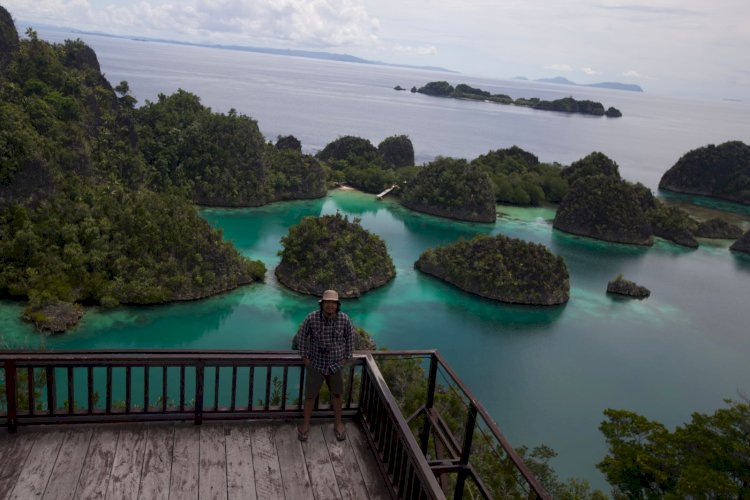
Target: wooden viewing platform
242,460
116,424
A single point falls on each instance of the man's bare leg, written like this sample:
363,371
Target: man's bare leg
307,414
337,413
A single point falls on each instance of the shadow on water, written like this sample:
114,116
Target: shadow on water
705,202
741,261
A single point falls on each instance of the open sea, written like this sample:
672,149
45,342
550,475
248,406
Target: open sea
544,374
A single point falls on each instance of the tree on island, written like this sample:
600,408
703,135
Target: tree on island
288,142
331,252
500,268
451,188
709,457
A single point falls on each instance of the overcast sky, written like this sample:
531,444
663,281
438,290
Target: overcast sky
681,47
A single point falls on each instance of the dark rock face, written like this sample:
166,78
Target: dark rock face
742,244
721,171
80,56
718,229
605,208
54,317
289,142
622,286
397,151
500,268
8,37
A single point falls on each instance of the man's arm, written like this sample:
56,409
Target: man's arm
304,341
349,341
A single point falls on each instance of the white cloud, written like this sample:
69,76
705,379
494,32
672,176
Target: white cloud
560,67
590,71
308,23
631,73
429,50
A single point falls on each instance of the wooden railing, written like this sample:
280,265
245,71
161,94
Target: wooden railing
134,386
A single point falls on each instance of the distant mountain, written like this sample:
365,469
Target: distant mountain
603,85
328,56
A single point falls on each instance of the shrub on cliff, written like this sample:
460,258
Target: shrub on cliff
331,252
606,208
451,188
500,268
721,171
718,228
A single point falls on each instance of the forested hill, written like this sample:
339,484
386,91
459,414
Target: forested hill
84,218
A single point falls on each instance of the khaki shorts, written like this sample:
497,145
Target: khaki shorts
314,380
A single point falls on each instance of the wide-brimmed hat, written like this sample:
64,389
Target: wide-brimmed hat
330,296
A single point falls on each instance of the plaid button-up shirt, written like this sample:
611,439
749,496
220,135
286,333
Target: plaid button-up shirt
326,342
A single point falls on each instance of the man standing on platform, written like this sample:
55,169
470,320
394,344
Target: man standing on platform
326,342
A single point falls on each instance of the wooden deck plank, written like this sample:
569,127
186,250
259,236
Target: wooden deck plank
371,474
240,473
128,465
319,466
268,483
97,467
63,482
185,466
348,475
35,473
292,463
14,449
157,462
212,481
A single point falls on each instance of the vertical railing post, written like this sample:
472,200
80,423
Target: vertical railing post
199,393
425,435
10,395
471,421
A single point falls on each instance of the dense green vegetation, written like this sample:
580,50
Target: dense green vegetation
602,205
709,457
221,160
79,221
500,268
721,171
451,188
358,163
565,105
718,228
519,179
331,252
606,208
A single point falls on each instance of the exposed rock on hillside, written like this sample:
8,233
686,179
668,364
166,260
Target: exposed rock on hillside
500,268
721,171
330,252
606,208
719,229
742,244
8,37
453,189
622,286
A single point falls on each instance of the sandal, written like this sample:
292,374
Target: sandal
302,436
340,436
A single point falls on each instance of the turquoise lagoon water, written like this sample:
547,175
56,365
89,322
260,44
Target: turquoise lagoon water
544,374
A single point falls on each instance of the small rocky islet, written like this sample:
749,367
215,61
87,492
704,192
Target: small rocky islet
621,286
